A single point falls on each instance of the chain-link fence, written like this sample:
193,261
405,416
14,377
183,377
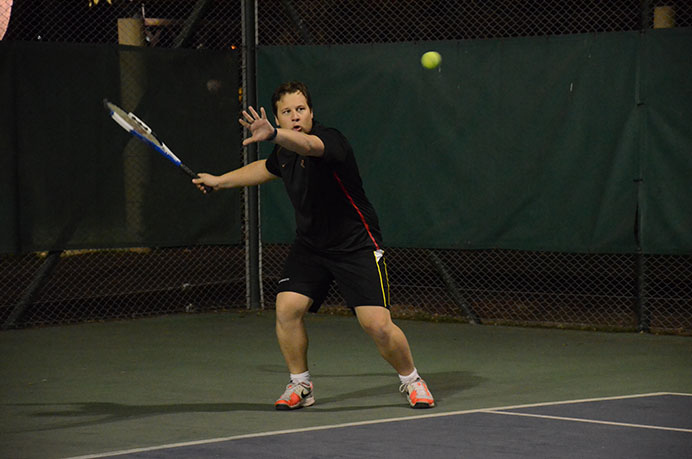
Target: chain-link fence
609,291
325,22
606,291
68,286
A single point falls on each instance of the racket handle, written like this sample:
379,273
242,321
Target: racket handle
189,172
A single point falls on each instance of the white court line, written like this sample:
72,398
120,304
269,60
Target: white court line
589,421
497,410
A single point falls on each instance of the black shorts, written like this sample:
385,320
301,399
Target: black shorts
361,276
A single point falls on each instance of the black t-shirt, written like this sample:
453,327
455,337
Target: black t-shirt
332,212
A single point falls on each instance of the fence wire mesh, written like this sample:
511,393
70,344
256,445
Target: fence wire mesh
603,291
322,22
82,285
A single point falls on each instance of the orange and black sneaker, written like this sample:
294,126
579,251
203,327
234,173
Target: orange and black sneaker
417,394
295,396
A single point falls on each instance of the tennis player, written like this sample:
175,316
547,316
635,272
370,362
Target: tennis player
338,238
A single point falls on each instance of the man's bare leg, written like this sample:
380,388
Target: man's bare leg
290,330
393,346
388,337
293,342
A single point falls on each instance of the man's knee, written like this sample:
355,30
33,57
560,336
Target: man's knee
291,306
375,320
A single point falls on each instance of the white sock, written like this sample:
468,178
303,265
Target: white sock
301,377
410,378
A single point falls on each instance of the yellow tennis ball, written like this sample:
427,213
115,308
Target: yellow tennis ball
431,59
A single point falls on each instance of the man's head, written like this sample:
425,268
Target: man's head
292,106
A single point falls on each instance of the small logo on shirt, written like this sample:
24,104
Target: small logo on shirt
284,279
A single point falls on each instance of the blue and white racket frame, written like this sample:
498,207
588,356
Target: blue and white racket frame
139,129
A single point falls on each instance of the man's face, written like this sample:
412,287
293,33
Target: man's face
294,113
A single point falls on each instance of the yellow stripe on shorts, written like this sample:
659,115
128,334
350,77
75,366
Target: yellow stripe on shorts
380,254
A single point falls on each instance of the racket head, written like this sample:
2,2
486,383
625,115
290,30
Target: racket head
138,128
135,126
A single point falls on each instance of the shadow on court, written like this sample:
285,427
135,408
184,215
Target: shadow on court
445,383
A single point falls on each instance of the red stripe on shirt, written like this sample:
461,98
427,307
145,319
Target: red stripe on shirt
362,217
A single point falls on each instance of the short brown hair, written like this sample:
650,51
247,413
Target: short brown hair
289,88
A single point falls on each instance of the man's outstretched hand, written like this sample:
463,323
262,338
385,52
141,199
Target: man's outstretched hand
258,125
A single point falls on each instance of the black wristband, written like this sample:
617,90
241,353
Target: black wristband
271,139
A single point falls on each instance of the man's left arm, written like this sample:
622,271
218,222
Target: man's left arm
299,142
262,130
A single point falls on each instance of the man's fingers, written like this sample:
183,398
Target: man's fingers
247,116
250,119
254,114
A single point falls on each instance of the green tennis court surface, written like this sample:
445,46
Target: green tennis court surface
154,386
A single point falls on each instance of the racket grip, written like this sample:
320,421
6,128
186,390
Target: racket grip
192,174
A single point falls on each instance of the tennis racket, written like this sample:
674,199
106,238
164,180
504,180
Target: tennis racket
140,130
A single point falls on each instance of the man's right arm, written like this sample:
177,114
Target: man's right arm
251,174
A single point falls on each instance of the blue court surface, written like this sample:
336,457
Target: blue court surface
655,425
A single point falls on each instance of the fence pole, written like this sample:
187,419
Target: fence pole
40,278
645,15
644,317
252,193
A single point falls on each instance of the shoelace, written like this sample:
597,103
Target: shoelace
290,388
410,387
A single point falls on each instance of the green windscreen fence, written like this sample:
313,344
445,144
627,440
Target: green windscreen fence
72,178
547,143
666,149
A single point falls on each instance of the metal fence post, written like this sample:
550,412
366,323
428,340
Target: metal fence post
643,315
645,14
249,19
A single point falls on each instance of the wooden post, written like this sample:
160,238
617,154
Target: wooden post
664,17
132,80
